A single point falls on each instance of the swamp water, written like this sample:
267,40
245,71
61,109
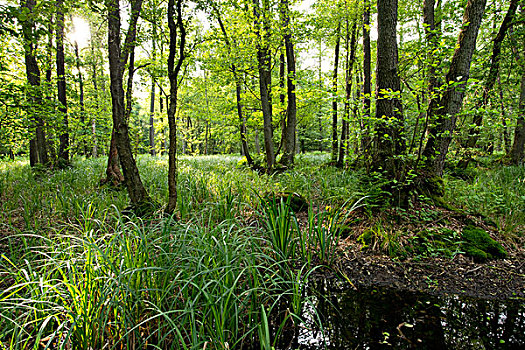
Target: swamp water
378,318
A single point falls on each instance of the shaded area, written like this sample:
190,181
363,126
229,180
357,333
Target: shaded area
375,318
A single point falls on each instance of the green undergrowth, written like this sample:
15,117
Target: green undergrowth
75,272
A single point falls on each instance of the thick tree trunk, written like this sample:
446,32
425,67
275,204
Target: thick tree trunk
389,139
334,93
491,78
440,135
117,64
265,77
63,151
173,73
367,80
291,109
113,174
37,146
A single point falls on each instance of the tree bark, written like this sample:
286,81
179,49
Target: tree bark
291,109
265,77
517,153
334,93
440,135
389,139
63,151
367,79
94,151
117,64
490,78
81,102
350,59
152,96
37,146
238,96
173,73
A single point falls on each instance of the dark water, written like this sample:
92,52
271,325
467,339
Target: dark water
385,318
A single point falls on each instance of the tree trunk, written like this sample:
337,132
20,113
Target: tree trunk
389,140
367,80
291,109
350,59
94,151
37,145
440,134
152,96
81,102
491,78
334,93
113,174
238,96
117,63
173,73
517,153
63,151
265,77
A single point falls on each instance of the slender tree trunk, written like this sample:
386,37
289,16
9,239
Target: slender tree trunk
389,139
350,59
490,79
367,79
238,94
282,99
152,96
440,135
117,63
37,145
63,152
173,73
517,153
334,93
291,110
265,77
81,102
94,151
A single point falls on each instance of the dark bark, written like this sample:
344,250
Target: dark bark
282,100
490,78
152,96
94,151
173,73
117,64
441,133
334,93
350,59
238,96
113,174
367,79
389,141
291,109
63,150
265,76
37,146
81,102
517,153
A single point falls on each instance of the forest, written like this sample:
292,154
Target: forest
262,174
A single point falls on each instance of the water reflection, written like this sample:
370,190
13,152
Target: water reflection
378,318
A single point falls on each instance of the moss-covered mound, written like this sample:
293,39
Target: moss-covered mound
479,245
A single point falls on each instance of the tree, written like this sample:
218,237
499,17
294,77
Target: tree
173,74
291,109
38,146
441,133
63,152
262,32
389,141
118,59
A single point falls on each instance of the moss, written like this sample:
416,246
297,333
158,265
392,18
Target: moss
366,238
479,245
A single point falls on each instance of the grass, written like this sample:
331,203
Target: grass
231,272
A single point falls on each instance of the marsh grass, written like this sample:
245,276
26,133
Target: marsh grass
231,273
